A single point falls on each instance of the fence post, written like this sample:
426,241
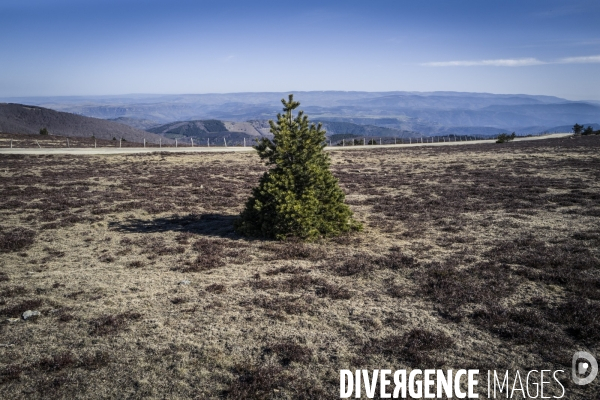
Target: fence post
144,142
409,140
160,142
94,142
364,141
208,142
175,142
244,142
11,143
68,143
380,141
192,139
225,141
120,139
343,142
38,143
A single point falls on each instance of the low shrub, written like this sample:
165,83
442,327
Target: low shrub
16,239
111,324
418,346
289,352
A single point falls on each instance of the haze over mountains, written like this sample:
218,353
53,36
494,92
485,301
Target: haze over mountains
396,114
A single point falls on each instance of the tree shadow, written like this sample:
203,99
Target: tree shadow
205,224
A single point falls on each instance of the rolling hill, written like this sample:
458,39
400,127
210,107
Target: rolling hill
208,130
237,131
25,119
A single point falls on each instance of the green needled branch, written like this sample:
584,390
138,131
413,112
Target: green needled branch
299,196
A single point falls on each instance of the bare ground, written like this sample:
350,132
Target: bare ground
475,256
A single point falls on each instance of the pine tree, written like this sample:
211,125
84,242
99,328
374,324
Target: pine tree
299,197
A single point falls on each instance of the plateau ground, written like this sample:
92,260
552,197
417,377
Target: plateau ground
475,256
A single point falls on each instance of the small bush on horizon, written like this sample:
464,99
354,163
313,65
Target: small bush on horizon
505,137
588,131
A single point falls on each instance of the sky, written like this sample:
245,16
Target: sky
109,47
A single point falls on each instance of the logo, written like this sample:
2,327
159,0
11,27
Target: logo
581,368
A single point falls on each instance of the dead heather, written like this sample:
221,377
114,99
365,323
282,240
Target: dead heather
475,256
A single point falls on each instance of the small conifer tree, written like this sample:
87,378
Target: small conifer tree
299,197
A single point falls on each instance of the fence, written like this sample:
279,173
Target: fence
49,141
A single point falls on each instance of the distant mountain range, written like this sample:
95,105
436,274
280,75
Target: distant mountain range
19,118
390,114
237,131
212,129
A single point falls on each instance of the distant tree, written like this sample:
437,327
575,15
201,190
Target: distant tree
588,131
299,197
114,138
505,137
577,129
44,131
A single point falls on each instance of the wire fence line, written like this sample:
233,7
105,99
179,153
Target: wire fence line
16,141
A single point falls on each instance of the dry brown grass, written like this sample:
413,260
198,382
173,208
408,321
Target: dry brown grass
479,256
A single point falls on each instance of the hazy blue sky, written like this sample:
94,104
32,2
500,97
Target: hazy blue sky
92,47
